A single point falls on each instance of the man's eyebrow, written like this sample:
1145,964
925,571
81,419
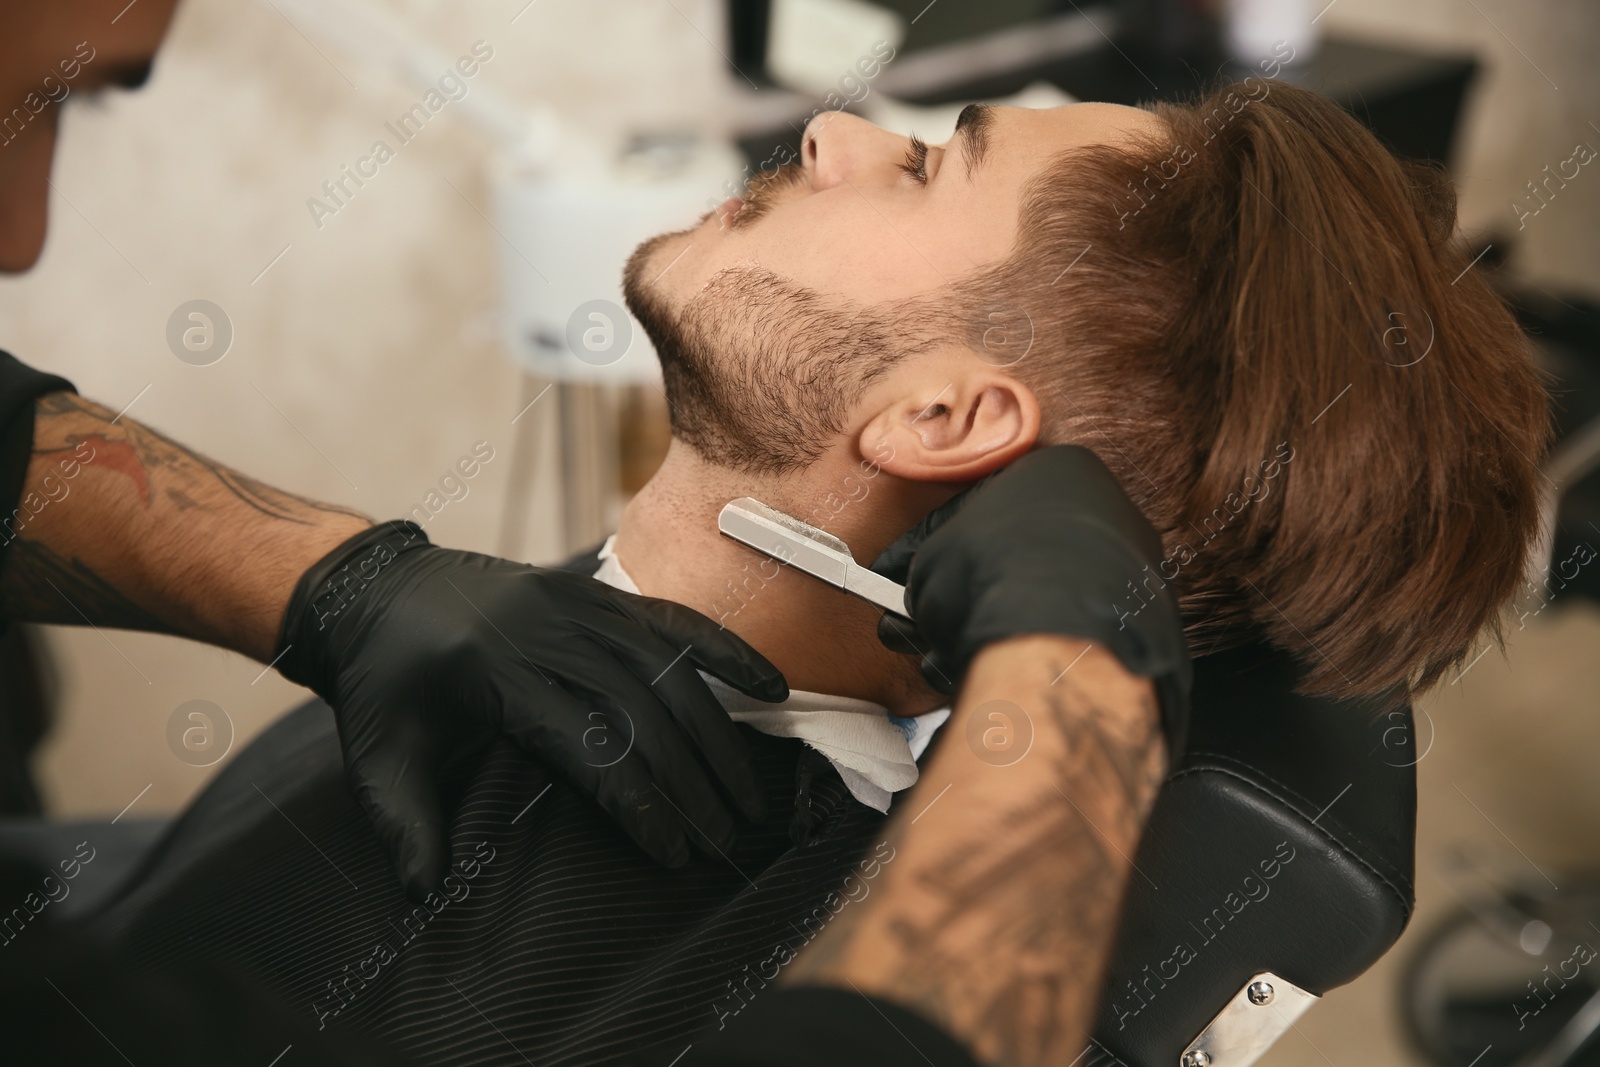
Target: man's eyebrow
972,129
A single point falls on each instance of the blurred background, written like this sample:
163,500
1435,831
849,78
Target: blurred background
463,296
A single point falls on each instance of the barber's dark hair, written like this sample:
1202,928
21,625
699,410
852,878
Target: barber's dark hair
1266,325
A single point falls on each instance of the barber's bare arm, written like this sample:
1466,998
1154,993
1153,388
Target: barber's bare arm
120,526
418,649
995,916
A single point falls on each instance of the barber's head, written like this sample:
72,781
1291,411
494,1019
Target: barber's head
1260,319
49,53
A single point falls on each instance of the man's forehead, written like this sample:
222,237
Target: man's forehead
1051,130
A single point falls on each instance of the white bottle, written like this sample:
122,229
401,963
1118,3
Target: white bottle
1256,27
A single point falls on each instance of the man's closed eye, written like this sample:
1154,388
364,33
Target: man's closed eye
916,162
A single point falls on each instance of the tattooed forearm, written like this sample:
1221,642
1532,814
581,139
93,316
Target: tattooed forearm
121,526
998,913
145,450
275,503
55,589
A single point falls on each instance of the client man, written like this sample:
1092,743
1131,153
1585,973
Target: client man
1259,320
1250,311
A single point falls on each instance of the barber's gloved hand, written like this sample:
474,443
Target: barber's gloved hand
420,649
1049,545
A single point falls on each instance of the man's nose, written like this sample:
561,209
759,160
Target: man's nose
841,149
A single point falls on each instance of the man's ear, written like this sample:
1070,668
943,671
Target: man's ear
953,426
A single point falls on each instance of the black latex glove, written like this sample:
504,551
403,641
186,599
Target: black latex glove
1050,545
421,649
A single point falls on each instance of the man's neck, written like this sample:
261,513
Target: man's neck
822,639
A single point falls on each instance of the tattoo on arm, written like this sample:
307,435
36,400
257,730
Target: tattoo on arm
40,585
80,548
1003,933
144,455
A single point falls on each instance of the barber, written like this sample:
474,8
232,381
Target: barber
419,650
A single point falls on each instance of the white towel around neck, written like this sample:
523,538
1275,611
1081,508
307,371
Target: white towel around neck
874,752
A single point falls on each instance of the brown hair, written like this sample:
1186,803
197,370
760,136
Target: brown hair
1269,331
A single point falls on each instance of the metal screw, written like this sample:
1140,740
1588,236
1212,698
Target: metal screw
1260,993
1196,1058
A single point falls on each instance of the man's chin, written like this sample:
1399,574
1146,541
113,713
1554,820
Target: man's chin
641,273
649,262
24,207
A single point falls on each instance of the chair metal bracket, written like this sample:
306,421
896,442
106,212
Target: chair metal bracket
1260,1013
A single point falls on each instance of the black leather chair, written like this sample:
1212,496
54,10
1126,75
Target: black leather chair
1277,865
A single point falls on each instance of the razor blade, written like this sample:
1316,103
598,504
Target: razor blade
806,548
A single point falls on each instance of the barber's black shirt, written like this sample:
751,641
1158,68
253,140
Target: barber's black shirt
20,386
23,718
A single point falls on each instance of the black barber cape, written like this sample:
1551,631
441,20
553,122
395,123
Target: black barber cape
266,922
555,942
